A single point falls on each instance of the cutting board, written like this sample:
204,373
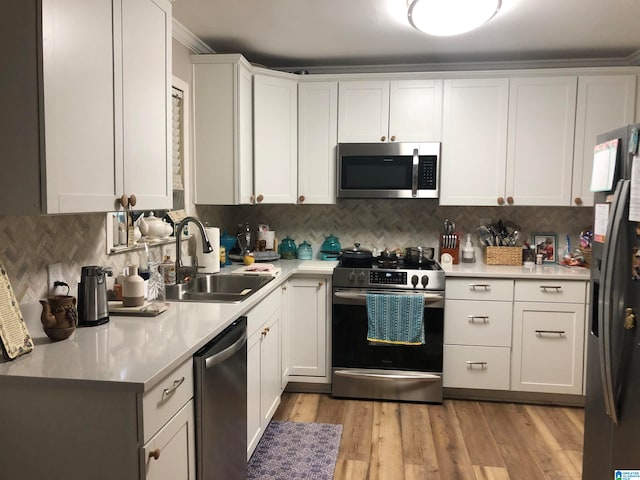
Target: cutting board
147,309
258,269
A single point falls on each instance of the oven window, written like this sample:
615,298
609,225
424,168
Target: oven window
350,348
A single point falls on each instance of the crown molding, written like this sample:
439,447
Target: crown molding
634,58
183,35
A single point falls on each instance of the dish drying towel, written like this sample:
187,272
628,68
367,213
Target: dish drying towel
395,319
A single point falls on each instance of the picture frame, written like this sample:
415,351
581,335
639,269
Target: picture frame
547,245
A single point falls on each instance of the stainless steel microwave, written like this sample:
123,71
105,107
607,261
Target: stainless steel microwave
388,170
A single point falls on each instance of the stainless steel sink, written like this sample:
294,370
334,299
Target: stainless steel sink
217,288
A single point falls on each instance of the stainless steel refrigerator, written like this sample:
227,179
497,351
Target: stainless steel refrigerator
612,409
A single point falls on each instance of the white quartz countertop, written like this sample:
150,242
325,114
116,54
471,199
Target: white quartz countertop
135,353
544,271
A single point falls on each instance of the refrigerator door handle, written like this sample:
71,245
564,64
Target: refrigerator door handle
606,302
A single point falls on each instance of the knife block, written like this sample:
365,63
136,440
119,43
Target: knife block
453,250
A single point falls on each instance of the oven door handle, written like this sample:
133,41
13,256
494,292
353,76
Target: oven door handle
429,297
389,376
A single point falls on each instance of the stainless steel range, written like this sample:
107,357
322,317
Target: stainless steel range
362,369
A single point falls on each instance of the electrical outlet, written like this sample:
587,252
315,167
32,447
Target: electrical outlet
55,275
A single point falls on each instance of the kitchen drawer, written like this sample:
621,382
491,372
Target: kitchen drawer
165,399
479,289
476,367
259,314
565,291
468,322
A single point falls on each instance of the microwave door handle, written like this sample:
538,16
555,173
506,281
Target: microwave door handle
414,176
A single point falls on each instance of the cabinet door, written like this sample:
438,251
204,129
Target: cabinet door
308,326
170,454
81,171
285,362
540,140
548,347
363,111
223,131
270,374
317,140
275,109
415,110
474,141
605,102
146,102
254,428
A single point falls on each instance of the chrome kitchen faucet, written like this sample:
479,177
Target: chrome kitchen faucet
206,245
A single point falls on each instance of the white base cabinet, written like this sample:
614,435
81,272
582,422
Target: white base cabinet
264,375
477,333
522,335
309,321
548,337
170,454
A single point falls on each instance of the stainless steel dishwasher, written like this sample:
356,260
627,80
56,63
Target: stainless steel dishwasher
221,405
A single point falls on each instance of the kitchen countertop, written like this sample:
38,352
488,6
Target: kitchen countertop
544,271
135,353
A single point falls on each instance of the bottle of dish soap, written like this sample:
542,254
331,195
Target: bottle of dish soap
468,252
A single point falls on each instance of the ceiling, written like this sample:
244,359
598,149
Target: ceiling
352,34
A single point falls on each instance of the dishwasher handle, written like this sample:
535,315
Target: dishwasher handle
219,357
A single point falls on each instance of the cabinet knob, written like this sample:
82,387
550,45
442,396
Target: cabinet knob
252,199
260,198
265,331
500,200
383,138
393,138
155,454
124,201
510,200
301,198
578,201
320,284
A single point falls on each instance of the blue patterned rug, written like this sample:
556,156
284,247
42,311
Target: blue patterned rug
296,451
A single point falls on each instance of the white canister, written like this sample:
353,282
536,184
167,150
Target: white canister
133,288
210,262
269,237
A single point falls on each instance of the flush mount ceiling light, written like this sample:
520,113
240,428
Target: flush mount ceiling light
450,17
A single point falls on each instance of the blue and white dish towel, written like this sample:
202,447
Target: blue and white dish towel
395,319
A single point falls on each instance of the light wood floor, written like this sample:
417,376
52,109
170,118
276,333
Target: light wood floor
456,440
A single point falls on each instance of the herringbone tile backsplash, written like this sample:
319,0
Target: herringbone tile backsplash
29,244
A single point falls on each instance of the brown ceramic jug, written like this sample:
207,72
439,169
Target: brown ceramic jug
59,316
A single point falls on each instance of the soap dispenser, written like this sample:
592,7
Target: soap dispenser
468,252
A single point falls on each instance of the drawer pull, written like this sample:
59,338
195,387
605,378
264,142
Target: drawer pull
555,288
550,332
471,364
473,318
171,390
485,286
155,454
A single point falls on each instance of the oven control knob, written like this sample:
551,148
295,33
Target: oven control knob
424,281
352,276
362,277
414,281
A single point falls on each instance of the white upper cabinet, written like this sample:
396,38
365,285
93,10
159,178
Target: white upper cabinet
415,110
91,121
540,140
390,111
474,141
275,110
317,140
223,129
605,102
